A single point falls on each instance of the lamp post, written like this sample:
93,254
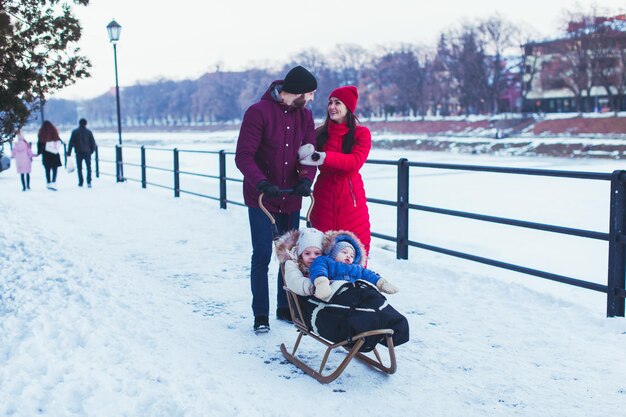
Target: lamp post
114,30
40,71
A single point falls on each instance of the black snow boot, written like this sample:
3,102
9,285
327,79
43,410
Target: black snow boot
283,314
261,324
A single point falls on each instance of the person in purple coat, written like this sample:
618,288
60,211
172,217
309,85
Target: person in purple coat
271,132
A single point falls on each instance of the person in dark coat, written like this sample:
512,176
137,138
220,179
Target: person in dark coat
49,147
82,139
271,132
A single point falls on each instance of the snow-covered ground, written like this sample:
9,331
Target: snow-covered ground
123,301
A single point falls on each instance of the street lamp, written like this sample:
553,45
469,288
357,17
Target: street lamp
40,71
114,30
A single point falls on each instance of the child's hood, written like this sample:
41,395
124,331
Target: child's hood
334,236
285,245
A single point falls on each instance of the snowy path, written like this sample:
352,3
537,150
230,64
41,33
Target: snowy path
121,301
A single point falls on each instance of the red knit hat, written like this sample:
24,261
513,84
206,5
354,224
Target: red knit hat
348,95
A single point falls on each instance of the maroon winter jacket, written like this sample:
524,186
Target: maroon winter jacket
267,149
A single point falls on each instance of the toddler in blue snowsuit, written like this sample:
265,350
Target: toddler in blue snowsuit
341,263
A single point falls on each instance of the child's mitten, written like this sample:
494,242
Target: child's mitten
322,288
387,287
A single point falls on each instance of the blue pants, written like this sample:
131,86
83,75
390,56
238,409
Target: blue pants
79,167
262,246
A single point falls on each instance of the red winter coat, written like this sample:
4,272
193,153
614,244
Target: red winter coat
340,202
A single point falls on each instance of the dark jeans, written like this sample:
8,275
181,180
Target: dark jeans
262,245
51,174
25,181
79,167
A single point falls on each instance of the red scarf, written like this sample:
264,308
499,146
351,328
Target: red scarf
337,129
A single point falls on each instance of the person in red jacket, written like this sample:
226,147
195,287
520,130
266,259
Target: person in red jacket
271,132
342,148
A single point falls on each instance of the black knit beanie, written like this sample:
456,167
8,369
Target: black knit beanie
299,81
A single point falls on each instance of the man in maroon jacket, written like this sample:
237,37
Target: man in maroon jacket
271,132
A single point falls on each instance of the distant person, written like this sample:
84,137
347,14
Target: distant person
49,147
271,132
23,159
82,139
341,150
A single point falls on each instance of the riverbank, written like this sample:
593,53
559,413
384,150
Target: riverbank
557,135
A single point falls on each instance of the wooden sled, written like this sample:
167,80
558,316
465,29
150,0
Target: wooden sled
358,340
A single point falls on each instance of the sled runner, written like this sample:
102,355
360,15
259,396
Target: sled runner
352,344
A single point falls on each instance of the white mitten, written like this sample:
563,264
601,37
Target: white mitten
305,150
322,288
315,159
387,287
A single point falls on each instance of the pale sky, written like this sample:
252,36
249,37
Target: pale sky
183,39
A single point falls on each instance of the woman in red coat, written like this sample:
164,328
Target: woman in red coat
342,148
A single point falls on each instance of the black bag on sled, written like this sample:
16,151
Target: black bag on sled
353,309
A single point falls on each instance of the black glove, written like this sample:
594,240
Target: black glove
303,188
270,190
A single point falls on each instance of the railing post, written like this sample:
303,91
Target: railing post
97,163
119,164
222,179
617,255
402,232
143,167
176,175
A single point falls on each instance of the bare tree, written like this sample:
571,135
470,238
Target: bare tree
498,37
441,85
608,52
348,60
468,65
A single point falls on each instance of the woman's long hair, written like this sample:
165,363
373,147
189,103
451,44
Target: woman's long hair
321,133
47,132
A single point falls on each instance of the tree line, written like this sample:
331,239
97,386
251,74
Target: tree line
466,72
470,69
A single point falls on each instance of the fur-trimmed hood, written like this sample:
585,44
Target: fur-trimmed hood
333,236
285,246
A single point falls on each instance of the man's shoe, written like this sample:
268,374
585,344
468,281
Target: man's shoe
261,324
283,314
88,185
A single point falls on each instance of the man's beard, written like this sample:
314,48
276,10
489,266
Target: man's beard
299,102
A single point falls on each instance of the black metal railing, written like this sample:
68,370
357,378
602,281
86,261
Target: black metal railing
616,237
